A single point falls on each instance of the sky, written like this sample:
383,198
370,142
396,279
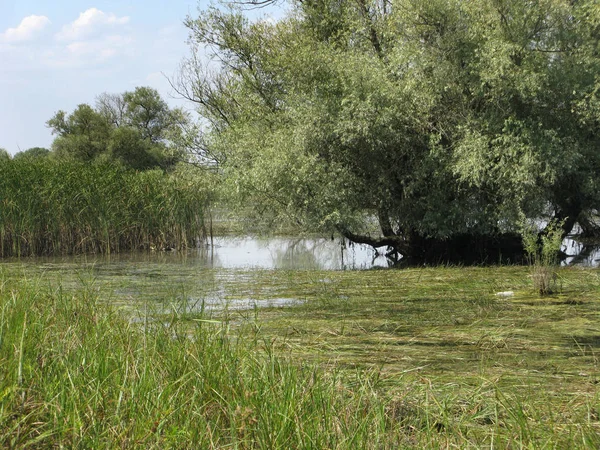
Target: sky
57,54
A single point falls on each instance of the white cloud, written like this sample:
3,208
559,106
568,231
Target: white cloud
105,47
92,39
27,30
89,23
82,54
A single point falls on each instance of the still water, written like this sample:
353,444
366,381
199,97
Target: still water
217,276
285,253
210,277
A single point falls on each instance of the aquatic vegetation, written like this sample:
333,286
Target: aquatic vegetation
76,373
542,253
414,358
59,207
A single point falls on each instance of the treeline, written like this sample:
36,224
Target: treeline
52,206
137,129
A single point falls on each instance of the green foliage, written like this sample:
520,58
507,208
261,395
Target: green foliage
83,135
137,128
4,155
435,118
52,206
128,146
543,253
34,152
147,112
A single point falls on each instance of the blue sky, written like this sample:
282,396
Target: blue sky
57,54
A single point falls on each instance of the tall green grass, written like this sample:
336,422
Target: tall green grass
78,373
75,373
542,253
58,207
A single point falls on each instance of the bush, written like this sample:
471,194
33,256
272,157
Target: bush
542,252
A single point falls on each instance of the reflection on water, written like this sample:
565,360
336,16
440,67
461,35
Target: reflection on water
211,277
285,253
580,253
270,253
215,277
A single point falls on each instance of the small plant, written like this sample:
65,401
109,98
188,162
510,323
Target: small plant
542,252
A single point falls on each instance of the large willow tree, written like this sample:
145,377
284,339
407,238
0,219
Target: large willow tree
429,127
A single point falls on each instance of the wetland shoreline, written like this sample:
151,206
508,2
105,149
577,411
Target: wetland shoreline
421,357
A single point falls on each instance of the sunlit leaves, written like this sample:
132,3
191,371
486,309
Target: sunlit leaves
441,117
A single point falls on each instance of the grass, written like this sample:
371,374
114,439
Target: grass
52,207
78,374
415,358
442,335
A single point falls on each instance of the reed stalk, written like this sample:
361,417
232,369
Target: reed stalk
50,207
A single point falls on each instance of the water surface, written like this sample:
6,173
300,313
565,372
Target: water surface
216,276
207,277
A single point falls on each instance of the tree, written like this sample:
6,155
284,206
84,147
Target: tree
147,112
82,135
112,107
4,155
128,146
135,128
33,153
445,123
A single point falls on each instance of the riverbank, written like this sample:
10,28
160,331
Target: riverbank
423,358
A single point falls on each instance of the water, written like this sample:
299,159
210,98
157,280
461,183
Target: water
581,254
211,277
286,253
218,276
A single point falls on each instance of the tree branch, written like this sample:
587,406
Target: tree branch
396,242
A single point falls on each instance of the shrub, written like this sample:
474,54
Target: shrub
542,251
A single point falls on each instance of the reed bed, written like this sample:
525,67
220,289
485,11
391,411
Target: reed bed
50,207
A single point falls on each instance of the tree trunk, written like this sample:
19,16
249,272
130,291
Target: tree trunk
504,248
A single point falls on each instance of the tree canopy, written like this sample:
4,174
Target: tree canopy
33,153
136,128
431,120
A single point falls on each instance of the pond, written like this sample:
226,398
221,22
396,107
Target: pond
208,277
217,276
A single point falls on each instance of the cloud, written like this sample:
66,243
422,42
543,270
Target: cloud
91,39
101,49
27,30
89,23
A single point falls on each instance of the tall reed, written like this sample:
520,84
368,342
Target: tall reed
56,207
